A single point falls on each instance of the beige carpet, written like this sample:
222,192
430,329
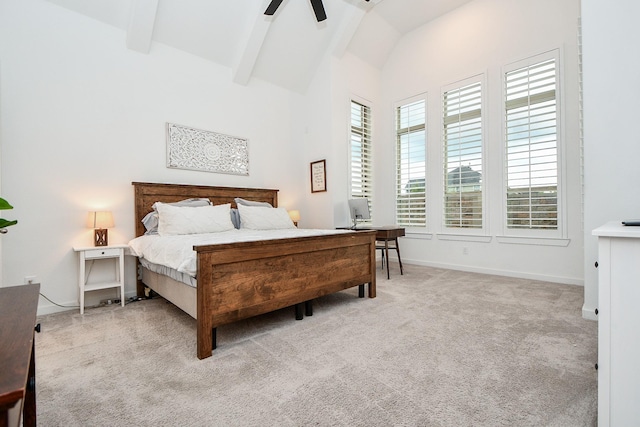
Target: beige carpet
435,348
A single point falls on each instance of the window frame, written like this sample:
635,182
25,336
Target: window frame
369,194
412,228
536,236
480,79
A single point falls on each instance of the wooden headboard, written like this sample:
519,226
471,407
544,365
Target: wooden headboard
146,194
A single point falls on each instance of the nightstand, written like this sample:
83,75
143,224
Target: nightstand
93,253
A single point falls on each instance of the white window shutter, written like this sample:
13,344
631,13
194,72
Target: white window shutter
532,147
361,164
463,148
411,164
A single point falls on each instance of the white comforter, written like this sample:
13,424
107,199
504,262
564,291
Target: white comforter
177,251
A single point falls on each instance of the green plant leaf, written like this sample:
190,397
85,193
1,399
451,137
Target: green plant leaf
4,204
6,223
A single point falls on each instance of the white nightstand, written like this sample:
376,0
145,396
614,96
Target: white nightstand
91,253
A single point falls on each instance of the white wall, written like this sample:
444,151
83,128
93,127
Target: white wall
482,37
611,67
82,117
324,131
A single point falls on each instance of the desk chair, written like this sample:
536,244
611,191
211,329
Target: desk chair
385,251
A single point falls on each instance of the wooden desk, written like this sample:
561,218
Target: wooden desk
18,307
386,234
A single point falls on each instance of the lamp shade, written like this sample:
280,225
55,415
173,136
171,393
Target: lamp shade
294,215
100,220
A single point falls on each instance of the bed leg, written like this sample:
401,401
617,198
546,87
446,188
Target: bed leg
361,291
214,344
308,308
298,308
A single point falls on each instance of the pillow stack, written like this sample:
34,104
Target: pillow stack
198,216
177,220
264,218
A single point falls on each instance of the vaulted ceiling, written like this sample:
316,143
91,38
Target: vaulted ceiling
284,49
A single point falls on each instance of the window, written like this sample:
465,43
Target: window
411,164
361,184
462,136
532,146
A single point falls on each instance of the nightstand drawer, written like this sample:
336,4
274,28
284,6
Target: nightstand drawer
102,253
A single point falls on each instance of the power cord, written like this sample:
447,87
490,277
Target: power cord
116,301
59,305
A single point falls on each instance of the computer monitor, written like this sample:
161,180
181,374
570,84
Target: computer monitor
359,209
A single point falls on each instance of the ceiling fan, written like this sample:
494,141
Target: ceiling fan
318,8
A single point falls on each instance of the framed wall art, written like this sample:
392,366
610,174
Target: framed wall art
318,176
203,150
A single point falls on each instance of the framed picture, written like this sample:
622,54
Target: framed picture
318,176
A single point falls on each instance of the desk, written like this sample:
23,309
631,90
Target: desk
386,234
18,306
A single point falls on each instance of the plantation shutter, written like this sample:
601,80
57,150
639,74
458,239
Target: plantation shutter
411,164
532,152
361,159
463,157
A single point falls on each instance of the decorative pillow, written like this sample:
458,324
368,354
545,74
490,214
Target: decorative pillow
235,217
173,220
264,218
150,220
244,202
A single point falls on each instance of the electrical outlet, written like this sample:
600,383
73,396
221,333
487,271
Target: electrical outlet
29,280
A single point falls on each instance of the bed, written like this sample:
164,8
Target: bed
244,279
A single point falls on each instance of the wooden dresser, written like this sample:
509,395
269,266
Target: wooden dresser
18,307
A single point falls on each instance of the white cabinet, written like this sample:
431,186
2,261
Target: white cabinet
90,254
618,325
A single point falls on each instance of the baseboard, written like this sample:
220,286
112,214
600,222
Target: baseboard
45,307
589,313
497,272
48,308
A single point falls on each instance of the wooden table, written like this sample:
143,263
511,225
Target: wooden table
386,234
18,307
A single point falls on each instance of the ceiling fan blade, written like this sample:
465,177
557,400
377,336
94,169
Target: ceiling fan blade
273,6
318,8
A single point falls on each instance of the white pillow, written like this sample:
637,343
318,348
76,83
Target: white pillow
240,201
173,220
150,220
264,218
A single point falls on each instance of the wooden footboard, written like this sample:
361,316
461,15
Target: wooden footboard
241,280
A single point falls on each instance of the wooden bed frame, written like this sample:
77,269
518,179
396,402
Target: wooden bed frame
241,280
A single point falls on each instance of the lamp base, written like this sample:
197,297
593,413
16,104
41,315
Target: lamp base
101,238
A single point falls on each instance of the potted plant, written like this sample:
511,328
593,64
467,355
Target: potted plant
4,223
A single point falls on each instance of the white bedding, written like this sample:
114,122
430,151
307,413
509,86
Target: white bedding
177,251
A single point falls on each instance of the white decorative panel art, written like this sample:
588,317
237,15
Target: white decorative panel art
203,150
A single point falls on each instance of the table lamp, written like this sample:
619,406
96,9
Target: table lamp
100,221
295,217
